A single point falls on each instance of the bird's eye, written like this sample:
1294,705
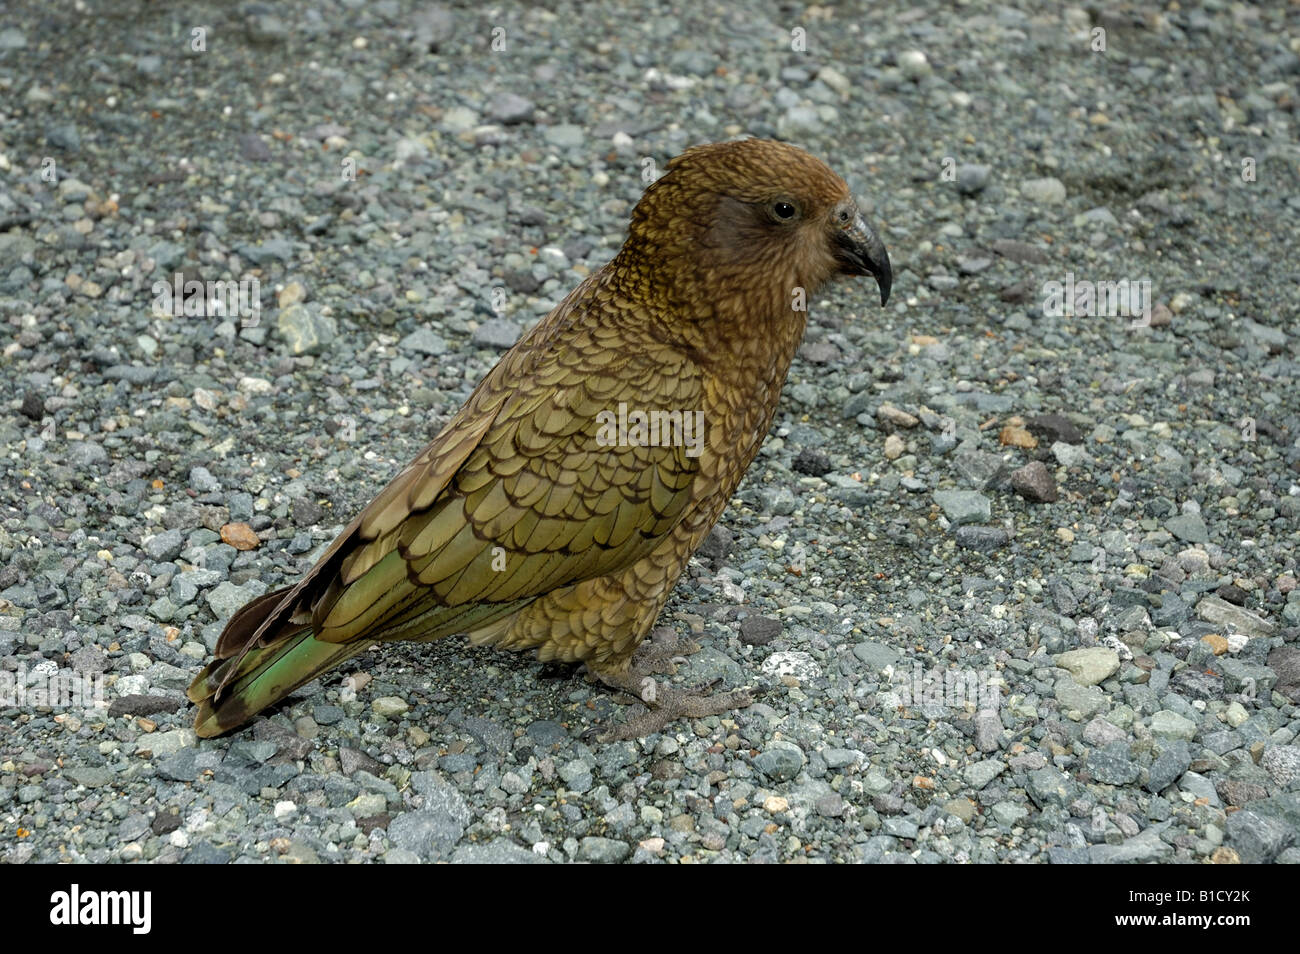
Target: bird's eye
783,210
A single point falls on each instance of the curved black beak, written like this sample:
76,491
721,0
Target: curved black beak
860,252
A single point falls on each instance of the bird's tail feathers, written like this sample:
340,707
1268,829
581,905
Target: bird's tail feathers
261,658
229,692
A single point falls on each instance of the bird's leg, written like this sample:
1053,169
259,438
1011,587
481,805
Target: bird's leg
661,654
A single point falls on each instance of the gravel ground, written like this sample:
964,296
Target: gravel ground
1088,523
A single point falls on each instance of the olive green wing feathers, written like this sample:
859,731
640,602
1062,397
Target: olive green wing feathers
546,498
526,490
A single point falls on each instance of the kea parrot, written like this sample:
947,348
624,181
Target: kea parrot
529,522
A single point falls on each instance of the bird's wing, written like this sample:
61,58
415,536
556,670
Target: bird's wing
522,492
278,614
545,497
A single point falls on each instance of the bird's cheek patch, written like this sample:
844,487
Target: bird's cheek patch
733,235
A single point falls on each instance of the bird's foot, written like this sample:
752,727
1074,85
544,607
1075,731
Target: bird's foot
661,654
674,704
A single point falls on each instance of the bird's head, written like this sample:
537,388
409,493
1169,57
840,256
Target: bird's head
758,212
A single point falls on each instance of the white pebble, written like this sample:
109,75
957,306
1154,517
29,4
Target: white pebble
913,64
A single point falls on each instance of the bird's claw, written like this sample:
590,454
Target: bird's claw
673,704
664,704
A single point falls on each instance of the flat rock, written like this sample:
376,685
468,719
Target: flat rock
1237,619
964,506
1144,848
1089,666
1168,724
